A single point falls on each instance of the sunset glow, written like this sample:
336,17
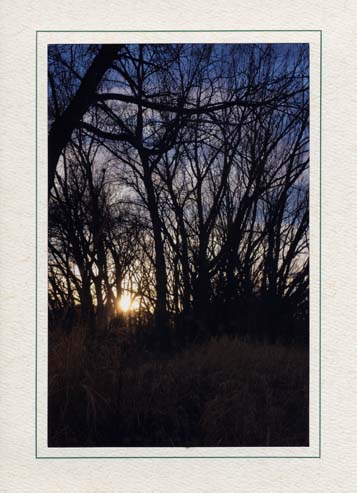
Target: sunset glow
127,302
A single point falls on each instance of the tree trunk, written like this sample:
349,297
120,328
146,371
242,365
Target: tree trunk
87,305
62,128
203,286
161,318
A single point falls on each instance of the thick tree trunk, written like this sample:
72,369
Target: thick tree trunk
161,317
87,305
185,265
203,286
62,128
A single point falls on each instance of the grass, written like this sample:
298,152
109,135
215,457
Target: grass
224,392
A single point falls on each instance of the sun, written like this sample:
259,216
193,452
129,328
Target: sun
125,302
128,302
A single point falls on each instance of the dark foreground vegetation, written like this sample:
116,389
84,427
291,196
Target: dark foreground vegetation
220,392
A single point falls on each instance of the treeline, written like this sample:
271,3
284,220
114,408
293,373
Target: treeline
183,181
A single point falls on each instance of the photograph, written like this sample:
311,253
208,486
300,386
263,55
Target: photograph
178,245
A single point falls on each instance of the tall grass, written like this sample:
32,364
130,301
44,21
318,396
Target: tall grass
222,393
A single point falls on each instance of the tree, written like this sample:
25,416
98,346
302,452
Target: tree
67,118
209,145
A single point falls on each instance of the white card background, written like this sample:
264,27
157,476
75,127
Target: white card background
20,469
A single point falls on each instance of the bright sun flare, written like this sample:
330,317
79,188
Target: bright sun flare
126,303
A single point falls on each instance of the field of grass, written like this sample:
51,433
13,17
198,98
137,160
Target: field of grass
224,392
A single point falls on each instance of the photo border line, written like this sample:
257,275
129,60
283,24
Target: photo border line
36,241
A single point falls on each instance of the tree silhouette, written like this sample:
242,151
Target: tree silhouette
181,171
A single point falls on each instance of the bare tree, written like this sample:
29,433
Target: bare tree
210,145
68,109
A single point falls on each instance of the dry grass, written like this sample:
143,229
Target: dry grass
222,393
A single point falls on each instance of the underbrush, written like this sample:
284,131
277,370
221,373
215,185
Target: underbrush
224,392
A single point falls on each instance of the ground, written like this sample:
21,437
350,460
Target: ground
223,392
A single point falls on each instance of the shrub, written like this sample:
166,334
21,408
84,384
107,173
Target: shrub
221,393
